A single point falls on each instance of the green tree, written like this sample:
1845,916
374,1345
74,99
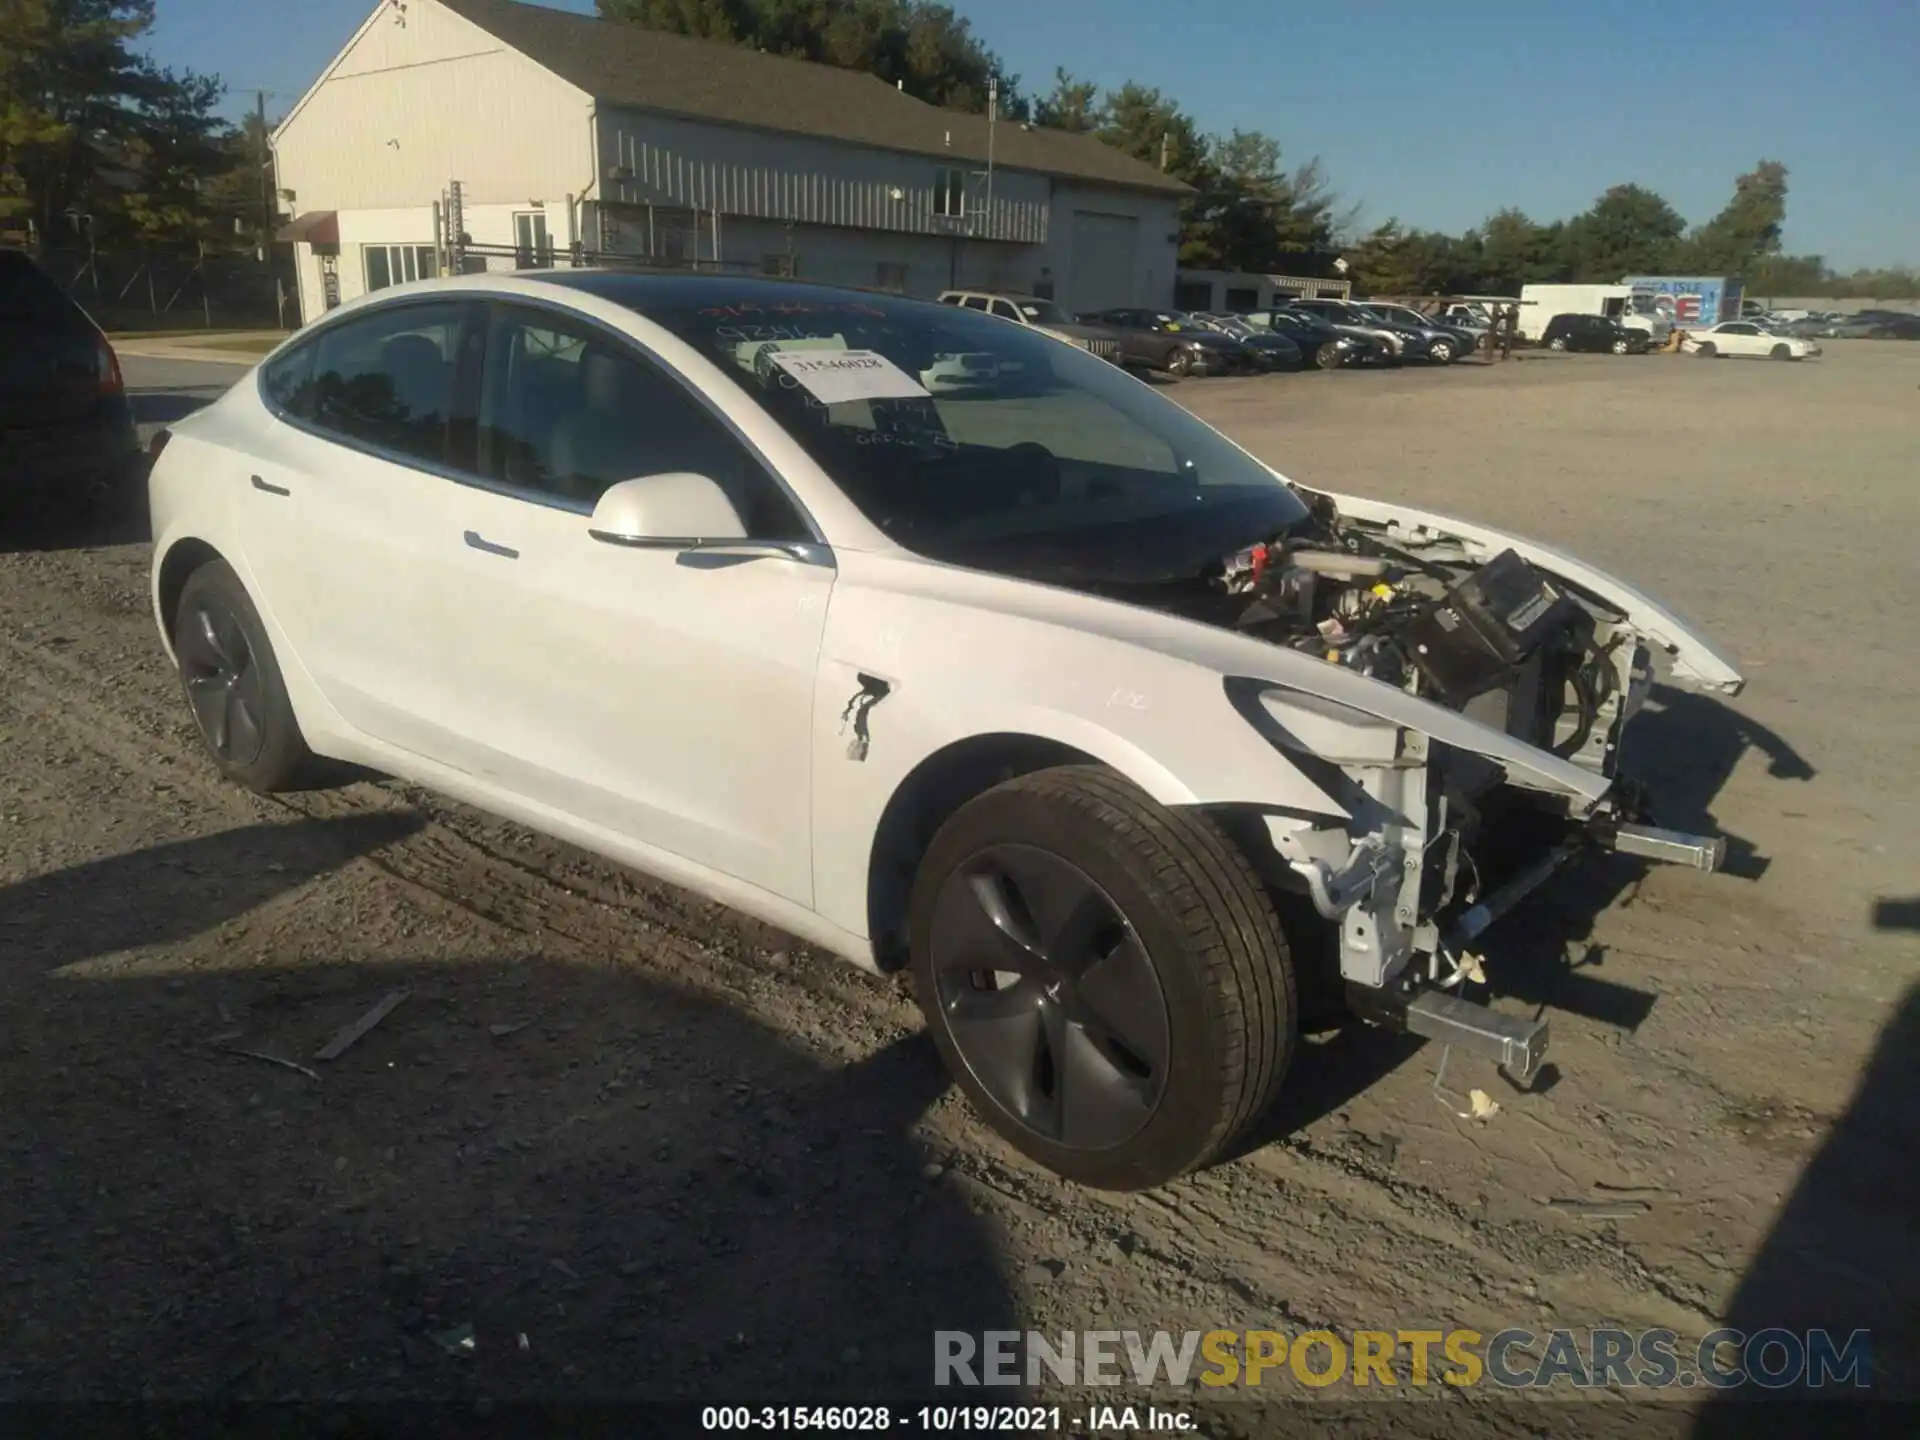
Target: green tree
89,126
1629,231
1254,215
1515,251
1071,104
1748,230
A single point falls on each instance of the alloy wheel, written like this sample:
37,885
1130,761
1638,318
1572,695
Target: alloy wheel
1050,997
223,685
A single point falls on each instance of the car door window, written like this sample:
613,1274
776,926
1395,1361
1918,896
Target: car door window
1005,311
387,379
568,409
975,302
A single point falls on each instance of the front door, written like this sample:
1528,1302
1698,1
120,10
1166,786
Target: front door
663,695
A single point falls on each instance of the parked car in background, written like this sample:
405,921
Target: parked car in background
1445,342
1038,314
1344,315
1321,346
1749,338
1173,341
1890,324
68,445
1273,351
1593,332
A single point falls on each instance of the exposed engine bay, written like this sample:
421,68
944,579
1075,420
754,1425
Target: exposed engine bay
1442,841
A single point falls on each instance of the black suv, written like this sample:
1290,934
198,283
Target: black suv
68,444
1592,332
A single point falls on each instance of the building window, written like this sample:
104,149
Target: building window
782,266
397,264
891,275
532,250
950,193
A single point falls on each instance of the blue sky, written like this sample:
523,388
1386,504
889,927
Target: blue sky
1434,113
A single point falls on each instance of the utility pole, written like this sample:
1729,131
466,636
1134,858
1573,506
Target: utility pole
267,206
993,114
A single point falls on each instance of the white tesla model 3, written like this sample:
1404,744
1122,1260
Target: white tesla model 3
933,640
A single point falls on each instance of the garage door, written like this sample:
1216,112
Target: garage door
1105,252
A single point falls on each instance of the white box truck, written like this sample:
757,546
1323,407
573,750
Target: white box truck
1637,309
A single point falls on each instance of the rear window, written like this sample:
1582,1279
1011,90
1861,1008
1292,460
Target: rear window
28,293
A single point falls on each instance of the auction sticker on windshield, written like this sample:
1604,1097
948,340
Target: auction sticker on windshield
835,377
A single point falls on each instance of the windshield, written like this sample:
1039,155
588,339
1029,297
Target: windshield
980,443
1044,312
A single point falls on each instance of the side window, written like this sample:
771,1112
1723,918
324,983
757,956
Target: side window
288,381
1005,311
975,302
386,379
568,410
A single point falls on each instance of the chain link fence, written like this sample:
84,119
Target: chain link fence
145,290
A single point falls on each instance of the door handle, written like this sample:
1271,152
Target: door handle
477,542
260,484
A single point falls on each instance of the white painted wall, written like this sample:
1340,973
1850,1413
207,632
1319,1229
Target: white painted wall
407,108
412,225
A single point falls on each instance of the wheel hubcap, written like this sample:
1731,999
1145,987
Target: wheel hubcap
223,685
1050,997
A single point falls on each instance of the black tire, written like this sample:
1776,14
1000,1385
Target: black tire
1327,357
1172,901
233,686
1781,352
1180,363
1441,352
1706,350
1559,342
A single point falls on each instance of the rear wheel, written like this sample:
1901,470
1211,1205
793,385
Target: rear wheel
1327,357
1104,977
1706,350
1558,342
1180,362
233,685
1781,352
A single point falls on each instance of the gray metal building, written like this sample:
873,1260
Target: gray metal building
560,128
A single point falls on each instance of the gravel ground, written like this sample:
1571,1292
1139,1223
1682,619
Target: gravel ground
646,1148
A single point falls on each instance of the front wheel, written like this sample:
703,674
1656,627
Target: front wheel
233,685
1327,357
1706,350
1105,978
1558,342
1180,363
1441,353
1620,347
1781,352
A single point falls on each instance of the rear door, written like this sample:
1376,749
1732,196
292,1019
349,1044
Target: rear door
347,510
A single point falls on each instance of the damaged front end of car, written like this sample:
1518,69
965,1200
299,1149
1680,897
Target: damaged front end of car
1484,762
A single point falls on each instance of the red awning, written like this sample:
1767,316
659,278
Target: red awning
316,227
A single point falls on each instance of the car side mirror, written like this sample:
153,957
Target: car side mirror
677,510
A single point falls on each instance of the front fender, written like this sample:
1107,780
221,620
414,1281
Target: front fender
1698,664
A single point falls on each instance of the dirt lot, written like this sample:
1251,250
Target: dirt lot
646,1149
